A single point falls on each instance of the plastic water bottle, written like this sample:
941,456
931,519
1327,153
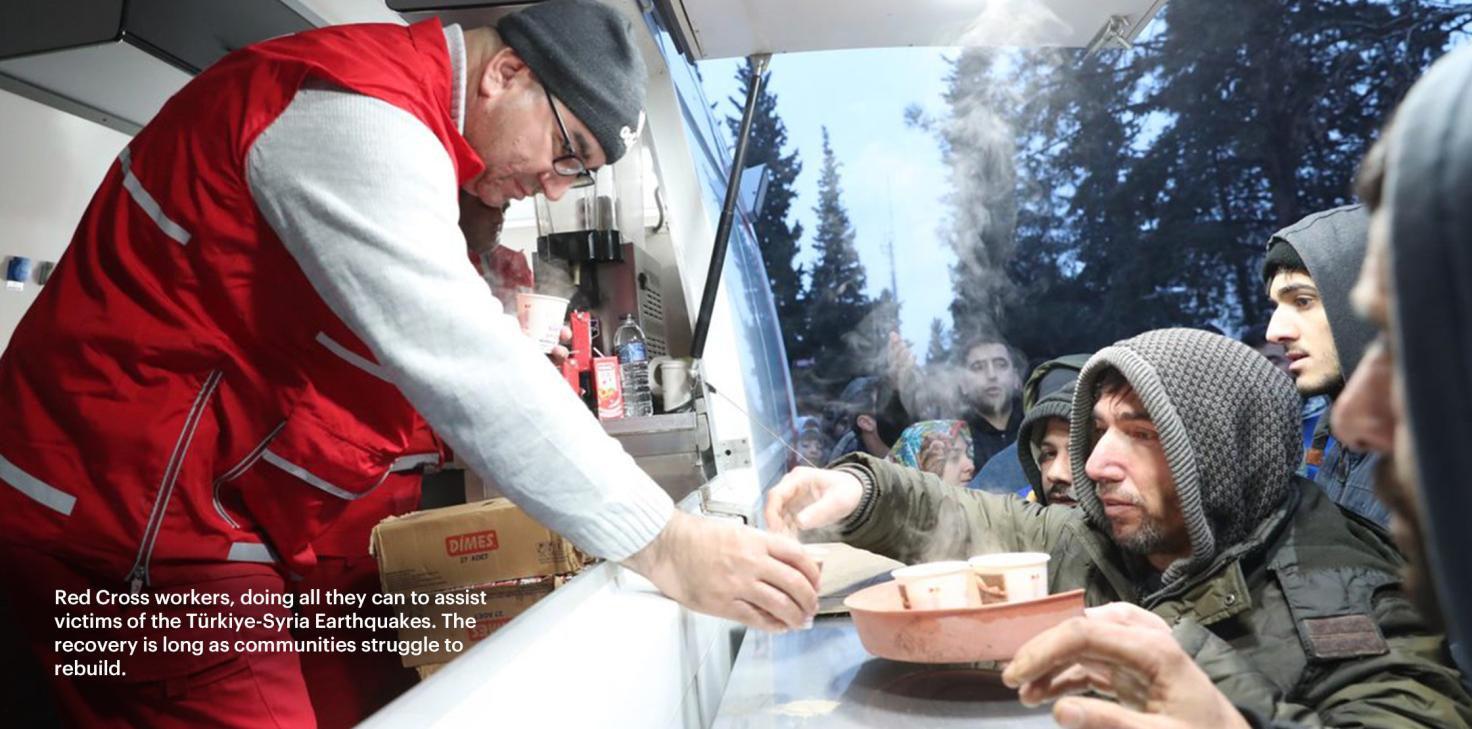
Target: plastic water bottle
633,360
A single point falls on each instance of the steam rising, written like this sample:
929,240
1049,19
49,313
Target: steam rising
981,153
1019,23
980,149
554,278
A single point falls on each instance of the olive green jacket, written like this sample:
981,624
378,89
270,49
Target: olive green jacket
1304,623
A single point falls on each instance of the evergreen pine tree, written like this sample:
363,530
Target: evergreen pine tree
837,304
940,343
1147,181
776,237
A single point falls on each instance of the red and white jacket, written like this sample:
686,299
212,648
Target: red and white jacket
199,386
179,361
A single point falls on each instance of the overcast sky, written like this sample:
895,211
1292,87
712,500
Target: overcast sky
888,171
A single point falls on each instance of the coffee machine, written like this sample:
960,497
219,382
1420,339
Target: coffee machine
596,247
605,247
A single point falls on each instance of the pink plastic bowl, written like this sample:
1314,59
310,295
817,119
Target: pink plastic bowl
959,635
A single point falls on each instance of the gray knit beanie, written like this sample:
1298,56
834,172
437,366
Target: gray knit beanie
1228,422
584,53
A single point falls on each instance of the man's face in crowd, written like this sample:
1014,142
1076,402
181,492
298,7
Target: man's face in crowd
1054,464
838,420
1370,416
990,381
1301,324
511,125
1133,481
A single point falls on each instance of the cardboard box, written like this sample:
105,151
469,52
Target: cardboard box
489,548
503,602
468,545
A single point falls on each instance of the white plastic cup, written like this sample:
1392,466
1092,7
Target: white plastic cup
541,318
1011,576
937,586
670,379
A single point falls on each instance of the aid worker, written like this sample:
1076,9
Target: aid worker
267,297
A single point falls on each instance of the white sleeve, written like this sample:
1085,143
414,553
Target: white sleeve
364,197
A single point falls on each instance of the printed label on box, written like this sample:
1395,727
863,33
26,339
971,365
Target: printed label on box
473,543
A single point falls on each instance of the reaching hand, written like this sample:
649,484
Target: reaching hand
560,353
719,568
901,360
1123,651
934,453
946,458
809,498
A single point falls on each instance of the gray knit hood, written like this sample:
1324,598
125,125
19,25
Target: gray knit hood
1228,421
1332,246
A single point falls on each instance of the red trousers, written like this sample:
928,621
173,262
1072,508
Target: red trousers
347,688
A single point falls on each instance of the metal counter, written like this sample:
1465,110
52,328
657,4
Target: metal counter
822,678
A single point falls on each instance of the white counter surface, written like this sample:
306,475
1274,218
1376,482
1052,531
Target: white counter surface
604,650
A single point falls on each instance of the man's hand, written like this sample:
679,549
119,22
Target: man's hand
934,453
945,458
560,353
1123,651
809,498
731,571
902,363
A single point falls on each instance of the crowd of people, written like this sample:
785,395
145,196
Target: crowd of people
1257,549
985,422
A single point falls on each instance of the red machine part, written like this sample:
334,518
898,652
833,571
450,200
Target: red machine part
580,353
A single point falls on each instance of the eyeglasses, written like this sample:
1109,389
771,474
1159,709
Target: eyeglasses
570,164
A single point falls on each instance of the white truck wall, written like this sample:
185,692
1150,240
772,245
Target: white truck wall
50,164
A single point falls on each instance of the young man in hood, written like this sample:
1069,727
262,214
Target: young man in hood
1310,268
1042,438
1184,446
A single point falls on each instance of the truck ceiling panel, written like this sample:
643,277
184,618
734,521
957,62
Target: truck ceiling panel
729,28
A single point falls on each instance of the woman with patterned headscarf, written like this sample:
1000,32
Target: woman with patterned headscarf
941,447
